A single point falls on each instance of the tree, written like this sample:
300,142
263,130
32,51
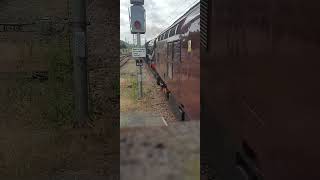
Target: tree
123,45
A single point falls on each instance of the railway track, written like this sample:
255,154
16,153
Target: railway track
124,59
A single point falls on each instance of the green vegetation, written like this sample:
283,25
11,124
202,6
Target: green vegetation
124,45
134,87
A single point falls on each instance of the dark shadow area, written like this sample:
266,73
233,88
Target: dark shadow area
259,74
38,139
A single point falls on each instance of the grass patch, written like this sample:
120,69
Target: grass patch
129,88
134,88
128,93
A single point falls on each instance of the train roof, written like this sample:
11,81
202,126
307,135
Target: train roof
191,10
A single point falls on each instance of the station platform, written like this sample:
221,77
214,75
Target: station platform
158,153
141,119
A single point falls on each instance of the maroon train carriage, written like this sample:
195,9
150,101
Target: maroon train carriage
177,62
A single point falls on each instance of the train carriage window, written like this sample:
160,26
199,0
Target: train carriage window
176,29
172,31
166,34
179,26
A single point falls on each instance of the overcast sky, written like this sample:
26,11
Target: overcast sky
159,15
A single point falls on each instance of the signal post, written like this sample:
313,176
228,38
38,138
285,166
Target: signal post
138,27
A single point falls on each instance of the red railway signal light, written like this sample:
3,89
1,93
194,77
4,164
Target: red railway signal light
137,25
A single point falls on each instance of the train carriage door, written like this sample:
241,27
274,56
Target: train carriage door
170,60
177,61
177,52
